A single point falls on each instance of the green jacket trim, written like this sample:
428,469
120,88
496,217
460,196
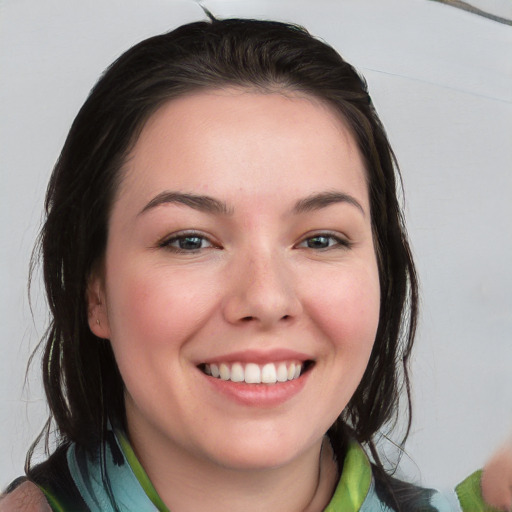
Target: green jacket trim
354,483
469,492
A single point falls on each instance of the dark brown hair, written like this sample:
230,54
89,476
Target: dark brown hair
81,379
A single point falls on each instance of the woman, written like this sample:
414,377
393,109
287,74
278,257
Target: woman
233,296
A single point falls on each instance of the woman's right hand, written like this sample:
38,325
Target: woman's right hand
497,478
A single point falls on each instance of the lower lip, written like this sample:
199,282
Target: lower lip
258,395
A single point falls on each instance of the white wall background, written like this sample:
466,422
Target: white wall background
442,81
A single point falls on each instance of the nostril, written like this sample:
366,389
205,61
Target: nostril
251,318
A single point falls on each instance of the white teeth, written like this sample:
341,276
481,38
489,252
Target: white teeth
237,373
291,371
268,374
282,373
225,374
214,369
251,373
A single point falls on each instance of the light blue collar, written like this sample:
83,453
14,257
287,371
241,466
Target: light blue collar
114,481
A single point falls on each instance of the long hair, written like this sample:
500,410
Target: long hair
81,379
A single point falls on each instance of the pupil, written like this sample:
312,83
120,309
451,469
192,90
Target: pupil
318,242
190,242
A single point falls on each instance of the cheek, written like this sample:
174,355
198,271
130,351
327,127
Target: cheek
347,310
344,310
157,308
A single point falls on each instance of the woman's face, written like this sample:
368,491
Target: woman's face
239,243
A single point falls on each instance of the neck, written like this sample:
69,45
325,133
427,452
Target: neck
187,484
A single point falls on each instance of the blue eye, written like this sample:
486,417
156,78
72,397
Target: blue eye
187,243
324,241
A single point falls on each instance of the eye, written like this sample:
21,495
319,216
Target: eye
186,242
324,241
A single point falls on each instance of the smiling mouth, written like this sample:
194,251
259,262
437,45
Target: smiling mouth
252,373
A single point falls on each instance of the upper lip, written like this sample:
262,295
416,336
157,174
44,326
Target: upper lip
258,356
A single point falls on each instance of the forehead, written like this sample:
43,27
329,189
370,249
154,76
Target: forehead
235,141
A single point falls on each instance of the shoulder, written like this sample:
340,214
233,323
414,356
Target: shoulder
55,478
26,497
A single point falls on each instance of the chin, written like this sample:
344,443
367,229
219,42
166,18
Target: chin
256,455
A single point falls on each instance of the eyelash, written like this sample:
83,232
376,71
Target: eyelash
339,243
180,237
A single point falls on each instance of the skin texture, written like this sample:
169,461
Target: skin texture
255,285
27,497
497,478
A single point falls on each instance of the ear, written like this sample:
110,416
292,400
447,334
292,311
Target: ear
97,313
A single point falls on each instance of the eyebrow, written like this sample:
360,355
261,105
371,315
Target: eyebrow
215,206
197,202
324,199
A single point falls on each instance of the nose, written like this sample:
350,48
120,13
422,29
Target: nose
262,291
